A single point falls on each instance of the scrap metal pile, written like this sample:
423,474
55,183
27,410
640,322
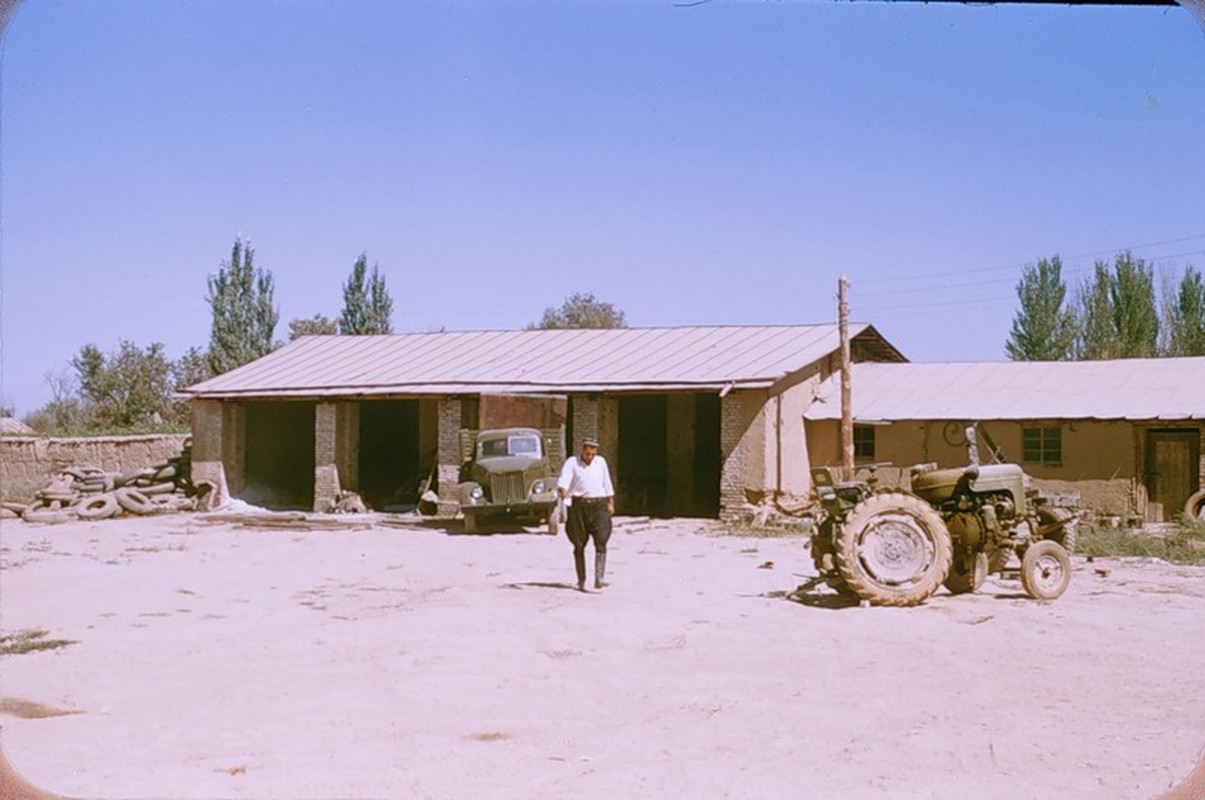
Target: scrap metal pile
89,492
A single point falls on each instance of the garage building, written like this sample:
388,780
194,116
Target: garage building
694,420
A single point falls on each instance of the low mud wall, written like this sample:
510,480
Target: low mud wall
25,463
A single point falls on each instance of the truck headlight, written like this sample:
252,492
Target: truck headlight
476,494
539,487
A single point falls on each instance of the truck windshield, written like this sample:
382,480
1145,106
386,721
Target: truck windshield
523,444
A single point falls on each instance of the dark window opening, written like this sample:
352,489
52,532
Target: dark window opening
1042,445
864,441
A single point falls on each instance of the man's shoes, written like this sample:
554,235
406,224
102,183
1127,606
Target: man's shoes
601,584
581,586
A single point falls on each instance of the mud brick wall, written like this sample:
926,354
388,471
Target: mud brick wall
28,461
448,456
732,479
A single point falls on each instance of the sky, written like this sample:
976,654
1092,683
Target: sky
720,163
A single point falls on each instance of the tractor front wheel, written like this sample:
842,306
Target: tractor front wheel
893,550
1045,570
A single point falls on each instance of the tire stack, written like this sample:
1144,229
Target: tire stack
91,493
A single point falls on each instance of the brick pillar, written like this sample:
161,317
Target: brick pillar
608,432
448,456
326,473
732,429
347,444
207,435
234,446
585,421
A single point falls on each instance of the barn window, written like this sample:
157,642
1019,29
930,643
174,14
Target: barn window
1042,445
863,441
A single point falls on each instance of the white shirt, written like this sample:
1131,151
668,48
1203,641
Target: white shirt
586,480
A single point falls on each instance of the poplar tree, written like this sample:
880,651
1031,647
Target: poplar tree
1185,316
1135,313
1044,327
1118,313
367,306
244,318
1097,338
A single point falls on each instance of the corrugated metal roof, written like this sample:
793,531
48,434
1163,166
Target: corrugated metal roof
1136,389
534,361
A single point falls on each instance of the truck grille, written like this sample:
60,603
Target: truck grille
507,488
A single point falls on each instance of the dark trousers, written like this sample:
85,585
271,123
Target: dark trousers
589,521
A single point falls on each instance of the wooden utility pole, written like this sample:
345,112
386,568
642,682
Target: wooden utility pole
847,414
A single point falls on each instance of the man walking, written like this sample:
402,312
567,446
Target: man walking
586,483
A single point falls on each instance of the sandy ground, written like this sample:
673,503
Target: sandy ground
214,661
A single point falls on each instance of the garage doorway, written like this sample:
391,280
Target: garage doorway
391,466
1172,471
669,455
279,455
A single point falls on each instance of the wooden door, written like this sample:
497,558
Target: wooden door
1171,471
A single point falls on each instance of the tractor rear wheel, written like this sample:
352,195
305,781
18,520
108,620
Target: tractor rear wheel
1045,570
1058,525
967,573
893,550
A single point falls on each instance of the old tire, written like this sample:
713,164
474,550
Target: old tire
101,506
130,477
1058,525
134,501
1045,570
46,516
967,573
893,550
1194,507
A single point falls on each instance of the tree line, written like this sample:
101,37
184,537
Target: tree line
1114,313
134,388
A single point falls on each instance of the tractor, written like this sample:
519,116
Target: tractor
955,526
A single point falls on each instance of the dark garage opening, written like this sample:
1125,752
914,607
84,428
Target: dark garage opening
669,455
280,455
391,466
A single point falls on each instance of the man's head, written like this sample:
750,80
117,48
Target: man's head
589,449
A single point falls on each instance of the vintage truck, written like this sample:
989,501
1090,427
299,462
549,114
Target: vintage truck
511,472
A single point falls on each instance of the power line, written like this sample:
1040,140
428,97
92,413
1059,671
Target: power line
1014,266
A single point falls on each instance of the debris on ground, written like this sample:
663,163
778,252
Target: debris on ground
348,502
91,493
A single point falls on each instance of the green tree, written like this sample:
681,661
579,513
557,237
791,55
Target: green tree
65,413
367,306
1118,313
1185,317
582,310
244,319
1044,327
128,389
191,368
1097,336
1135,312
317,325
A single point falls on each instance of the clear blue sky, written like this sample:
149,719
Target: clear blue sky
717,164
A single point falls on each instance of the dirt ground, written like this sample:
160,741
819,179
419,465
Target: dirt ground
217,661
